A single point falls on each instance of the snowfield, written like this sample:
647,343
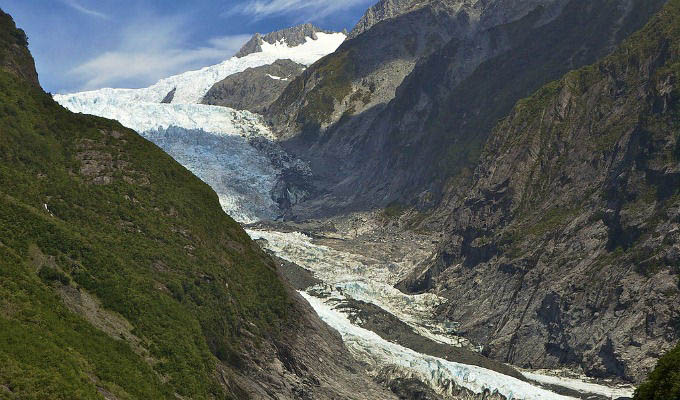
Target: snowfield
190,87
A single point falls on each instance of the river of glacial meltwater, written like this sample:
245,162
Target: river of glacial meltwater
345,277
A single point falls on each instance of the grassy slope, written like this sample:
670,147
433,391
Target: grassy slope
131,226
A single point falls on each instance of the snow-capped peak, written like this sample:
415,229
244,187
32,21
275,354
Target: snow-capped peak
190,87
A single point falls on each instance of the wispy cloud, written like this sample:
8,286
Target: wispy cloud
78,7
317,9
153,49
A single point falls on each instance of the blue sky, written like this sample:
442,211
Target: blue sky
89,44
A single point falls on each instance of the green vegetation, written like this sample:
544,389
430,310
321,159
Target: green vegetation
89,206
552,220
664,382
335,73
394,210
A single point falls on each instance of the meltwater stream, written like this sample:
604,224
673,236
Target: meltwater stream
346,276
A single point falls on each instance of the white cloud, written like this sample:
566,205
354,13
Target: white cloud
304,8
76,6
153,49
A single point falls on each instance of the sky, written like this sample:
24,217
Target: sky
89,44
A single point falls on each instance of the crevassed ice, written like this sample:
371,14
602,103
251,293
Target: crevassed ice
210,141
436,372
242,178
192,86
144,117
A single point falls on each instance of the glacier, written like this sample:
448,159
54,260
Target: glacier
243,176
144,117
237,155
353,276
210,141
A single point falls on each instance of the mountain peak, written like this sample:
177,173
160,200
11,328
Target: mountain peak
293,36
384,9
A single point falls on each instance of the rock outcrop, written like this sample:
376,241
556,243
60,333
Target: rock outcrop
14,55
254,89
383,10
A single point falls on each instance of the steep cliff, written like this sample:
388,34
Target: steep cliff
382,10
564,248
363,73
121,276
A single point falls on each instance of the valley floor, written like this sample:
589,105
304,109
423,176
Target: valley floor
351,265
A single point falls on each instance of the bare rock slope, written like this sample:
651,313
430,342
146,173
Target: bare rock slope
254,89
565,248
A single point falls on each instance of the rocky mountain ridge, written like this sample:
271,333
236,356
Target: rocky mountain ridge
293,36
401,130
382,10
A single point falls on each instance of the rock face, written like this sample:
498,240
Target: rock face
169,97
292,37
14,55
564,247
364,72
254,89
383,10
396,113
350,87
